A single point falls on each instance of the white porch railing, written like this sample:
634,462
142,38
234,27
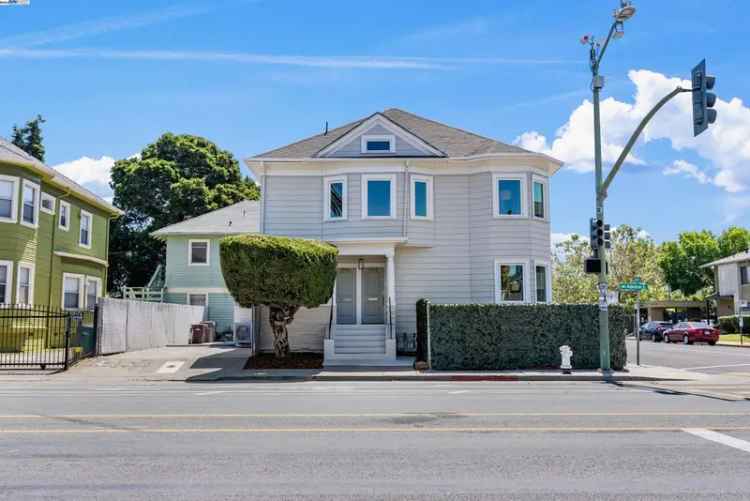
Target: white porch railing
144,294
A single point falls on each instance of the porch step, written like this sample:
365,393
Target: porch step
366,340
358,350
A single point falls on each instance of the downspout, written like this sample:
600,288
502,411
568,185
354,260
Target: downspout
407,208
104,292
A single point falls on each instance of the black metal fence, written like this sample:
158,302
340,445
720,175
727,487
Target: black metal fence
45,337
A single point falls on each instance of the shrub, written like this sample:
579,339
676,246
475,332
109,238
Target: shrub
281,273
731,325
498,337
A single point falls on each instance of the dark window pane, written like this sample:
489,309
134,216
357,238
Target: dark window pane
420,199
337,200
511,282
6,207
29,199
745,275
71,300
197,300
538,200
510,196
199,253
378,145
378,198
2,292
48,203
541,284
64,216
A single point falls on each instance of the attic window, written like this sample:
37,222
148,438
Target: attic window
378,144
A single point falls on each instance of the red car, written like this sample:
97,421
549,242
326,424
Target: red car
690,332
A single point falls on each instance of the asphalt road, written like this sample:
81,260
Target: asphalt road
696,357
323,441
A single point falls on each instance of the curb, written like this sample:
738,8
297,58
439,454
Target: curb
428,377
733,345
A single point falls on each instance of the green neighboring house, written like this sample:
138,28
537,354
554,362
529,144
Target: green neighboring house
54,235
193,269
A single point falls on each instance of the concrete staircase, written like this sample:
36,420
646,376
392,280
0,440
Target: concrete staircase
360,345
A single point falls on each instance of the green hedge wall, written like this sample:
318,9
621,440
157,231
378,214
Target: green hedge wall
731,325
499,337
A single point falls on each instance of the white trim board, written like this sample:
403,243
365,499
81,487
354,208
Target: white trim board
190,251
15,181
365,179
92,259
32,272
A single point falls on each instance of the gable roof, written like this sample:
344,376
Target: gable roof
452,141
12,154
736,258
242,217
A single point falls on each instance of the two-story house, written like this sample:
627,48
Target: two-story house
417,209
54,235
732,278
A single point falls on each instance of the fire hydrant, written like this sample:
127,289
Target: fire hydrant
566,354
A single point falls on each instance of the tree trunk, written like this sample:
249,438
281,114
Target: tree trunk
280,316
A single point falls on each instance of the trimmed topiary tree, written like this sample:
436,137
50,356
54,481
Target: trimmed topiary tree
281,273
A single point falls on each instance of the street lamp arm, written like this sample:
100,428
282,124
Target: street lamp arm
629,146
606,44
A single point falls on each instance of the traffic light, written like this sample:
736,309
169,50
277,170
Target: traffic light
704,113
607,237
596,233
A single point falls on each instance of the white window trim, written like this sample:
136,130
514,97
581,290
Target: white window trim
86,288
47,196
415,178
91,229
391,138
545,194
526,264
327,198
66,227
366,178
548,276
190,294
8,286
37,195
81,290
496,196
190,252
14,202
32,270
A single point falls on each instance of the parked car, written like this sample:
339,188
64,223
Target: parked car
690,332
654,330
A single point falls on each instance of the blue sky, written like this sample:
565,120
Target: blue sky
252,75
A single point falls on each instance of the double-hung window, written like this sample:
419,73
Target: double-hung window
64,219
8,199
93,291
744,275
539,197
378,196
199,252
87,220
542,281
48,203
378,144
73,291
335,199
510,282
421,197
6,281
509,198
198,299
25,284
30,208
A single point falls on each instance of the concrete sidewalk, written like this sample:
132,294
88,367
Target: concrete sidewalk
226,363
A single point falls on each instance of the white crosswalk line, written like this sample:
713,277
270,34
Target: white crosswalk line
719,438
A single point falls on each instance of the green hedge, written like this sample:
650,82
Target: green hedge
731,325
499,337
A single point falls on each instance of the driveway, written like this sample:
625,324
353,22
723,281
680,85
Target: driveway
697,357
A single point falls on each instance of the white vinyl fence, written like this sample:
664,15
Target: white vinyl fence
126,325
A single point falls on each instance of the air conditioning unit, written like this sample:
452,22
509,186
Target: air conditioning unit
243,334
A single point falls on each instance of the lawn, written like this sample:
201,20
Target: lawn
734,338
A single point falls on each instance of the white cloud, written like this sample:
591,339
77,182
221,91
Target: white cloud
93,173
688,170
726,144
736,207
558,238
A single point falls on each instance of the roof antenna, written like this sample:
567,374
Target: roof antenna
326,132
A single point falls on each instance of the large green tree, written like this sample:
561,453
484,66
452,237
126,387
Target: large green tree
733,240
681,261
175,178
281,273
633,254
29,137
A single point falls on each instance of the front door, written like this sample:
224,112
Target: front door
346,291
373,282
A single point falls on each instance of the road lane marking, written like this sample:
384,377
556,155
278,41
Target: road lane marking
438,413
714,367
719,438
206,393
459,392
401,429
170,367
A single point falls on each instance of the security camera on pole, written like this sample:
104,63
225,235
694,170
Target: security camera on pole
703,116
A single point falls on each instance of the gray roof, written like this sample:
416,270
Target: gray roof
739,257
453,142
242,217
10,153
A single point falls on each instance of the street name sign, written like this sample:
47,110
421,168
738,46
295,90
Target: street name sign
635,286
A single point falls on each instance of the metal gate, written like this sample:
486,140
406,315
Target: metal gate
45,337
